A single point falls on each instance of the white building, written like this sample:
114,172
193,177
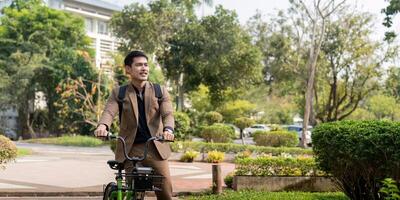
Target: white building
96,14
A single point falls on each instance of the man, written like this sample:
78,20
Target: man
143,116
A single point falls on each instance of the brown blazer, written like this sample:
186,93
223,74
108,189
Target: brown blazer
158,116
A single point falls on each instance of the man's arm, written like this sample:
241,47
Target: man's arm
110,111
166,112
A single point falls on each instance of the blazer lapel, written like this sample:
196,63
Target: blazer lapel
147,100
132,96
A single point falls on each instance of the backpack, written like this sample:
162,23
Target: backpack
122,91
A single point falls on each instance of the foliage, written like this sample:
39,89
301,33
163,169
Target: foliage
345,81
23,152
200,99
182,125
361,114
257,195
78,104
244,154
212,117
228,179
69,140
346,149
383,107
179,146
277,166
8,151
243,122
40,47
217,133
189,156
235,109
215,156
276,138
390,190
390,11
228,49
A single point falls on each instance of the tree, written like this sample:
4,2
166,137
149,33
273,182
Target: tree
383,107
316,17
235,109
390,11
202,54
39,48
242,123
350,66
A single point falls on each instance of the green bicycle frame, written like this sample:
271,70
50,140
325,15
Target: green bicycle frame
120,194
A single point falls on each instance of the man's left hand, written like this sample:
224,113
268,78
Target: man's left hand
168,136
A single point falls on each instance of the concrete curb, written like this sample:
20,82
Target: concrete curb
79,194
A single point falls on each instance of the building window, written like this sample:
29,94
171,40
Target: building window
89,25
102,28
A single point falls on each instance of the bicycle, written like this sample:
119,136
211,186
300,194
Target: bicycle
143,178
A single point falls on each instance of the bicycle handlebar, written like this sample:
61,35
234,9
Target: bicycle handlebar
157,138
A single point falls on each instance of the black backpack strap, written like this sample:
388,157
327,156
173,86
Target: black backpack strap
121,96
158,92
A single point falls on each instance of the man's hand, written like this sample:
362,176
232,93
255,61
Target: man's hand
101,131
168,136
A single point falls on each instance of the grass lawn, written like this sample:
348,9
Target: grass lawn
23,152
253,195
81,141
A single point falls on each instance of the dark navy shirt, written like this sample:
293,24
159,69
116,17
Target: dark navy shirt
143,132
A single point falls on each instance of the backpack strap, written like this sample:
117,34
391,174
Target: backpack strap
158,92
121,96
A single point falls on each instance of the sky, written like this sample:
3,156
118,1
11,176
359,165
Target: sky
247,8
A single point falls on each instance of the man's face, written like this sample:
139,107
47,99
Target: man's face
139,70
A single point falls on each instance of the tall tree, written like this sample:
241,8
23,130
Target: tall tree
218,58
42,46
316,18
350,67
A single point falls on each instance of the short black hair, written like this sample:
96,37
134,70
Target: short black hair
133,54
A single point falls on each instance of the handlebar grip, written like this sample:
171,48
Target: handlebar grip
161,139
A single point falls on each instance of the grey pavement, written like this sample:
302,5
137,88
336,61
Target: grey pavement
80,172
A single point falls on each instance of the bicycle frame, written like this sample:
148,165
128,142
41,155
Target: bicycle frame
124,190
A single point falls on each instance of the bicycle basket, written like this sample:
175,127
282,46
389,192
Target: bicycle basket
147,182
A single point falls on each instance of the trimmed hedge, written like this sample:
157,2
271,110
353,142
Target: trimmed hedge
277,166
217,133
182,146
276,138
359,154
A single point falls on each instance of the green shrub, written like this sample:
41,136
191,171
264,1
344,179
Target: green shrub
276,138
277,166
23,152
70,140
244,154
212,117
262,195
189,156
182,146
8,151
228,180
215,156
217,133
182,125
390,190
358,154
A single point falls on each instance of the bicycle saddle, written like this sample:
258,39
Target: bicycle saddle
115,165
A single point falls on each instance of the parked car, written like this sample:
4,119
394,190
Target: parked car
10,134
256,127
299,130
235,129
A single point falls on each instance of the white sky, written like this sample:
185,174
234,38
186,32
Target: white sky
247,8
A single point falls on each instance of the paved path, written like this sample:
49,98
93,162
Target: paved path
71,171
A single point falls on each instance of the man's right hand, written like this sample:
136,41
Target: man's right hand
101,131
